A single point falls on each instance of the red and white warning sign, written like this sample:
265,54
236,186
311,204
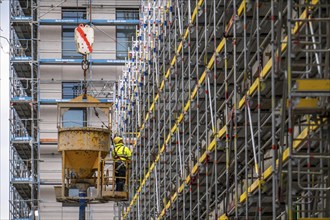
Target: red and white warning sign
84,37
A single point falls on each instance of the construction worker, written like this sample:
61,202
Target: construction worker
121,155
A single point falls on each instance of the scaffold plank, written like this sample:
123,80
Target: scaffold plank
312,85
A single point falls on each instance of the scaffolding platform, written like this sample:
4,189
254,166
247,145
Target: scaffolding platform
22,27
23,187
22,146
22,106
106,196
22,67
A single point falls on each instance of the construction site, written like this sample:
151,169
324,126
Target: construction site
165,109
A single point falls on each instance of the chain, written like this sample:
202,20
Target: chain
85,63
85,66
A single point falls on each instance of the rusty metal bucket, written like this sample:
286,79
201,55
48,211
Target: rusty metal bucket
81,147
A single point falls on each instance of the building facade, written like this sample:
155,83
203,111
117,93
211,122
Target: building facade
46,69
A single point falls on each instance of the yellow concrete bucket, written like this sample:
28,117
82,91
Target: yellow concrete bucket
81,146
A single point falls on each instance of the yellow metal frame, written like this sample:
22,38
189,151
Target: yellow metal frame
67,182
112,194
101,183
80,102
84,151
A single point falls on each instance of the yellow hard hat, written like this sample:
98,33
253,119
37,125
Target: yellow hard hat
117,140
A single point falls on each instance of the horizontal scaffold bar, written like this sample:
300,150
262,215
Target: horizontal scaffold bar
50,101
21,19
55,101
60,61
96,22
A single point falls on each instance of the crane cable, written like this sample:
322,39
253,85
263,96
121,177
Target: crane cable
98,116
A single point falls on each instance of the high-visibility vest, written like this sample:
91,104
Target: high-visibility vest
121,152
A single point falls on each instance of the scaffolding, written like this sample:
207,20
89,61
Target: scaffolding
24,112
32,94
227,105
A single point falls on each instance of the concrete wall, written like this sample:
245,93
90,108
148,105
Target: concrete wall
50,88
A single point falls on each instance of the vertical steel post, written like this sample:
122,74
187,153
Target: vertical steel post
274,179
215,135
235,108
226,202
82,204
290,128
258,164
198,109
246,184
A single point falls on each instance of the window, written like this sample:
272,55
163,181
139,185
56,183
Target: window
75,117
124,34
68,44
71,90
